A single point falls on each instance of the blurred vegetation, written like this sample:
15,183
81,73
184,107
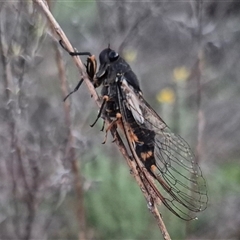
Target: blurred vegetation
175,48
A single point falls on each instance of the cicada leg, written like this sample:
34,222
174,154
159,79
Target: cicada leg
105,99
114,123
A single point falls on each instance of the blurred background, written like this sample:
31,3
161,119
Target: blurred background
55,175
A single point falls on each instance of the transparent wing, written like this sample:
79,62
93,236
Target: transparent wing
181,184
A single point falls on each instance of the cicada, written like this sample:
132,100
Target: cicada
178,180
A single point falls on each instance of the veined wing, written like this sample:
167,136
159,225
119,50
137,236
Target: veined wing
175,168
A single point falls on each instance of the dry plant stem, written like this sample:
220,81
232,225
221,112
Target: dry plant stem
119,142
141,175
160,222
70,151
16,163
10,164
146,183
68,45
196,74
133,166
200,119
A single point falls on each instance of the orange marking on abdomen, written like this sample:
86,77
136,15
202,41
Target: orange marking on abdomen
133,136
146,155
153,168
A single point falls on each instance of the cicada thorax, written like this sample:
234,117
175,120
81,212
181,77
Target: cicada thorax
142,139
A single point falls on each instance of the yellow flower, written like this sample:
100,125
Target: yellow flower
180,74
130,55
166,95
16,48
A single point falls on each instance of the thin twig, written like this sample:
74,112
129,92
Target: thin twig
70,151
200,119
10,164
69,47
136,172
134,169
17,158
196,74
144,180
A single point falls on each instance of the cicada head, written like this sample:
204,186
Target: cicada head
106,57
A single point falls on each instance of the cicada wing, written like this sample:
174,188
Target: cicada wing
175,168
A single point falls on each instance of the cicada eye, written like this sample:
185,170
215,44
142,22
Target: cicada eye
113,56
